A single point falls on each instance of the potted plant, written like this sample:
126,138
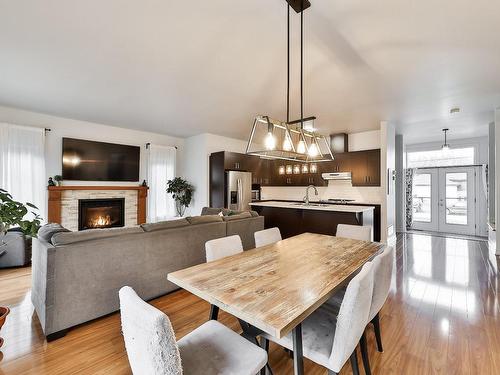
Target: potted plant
58,179
182,192
4,311
12,214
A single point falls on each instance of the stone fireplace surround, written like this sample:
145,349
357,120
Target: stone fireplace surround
63,202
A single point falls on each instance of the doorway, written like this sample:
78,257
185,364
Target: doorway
444,200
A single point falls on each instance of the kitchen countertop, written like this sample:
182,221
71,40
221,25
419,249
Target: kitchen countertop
314,206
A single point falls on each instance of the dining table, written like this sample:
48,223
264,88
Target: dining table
273,288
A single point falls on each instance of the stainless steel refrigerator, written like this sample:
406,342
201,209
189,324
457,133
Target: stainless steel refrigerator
238,190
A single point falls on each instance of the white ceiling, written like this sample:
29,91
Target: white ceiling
187,67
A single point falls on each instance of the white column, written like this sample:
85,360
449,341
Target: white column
497,181
387,175
400,184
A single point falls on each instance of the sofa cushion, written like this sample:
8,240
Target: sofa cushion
151,227
47,231
92,234
243,215
203,219
254,213
211,211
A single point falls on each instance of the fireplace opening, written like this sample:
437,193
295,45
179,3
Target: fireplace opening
101,213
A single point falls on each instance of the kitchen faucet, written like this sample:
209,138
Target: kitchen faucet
306,198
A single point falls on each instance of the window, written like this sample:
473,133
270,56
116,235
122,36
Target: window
422,198
441,158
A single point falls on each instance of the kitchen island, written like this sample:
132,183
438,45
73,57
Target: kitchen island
293,218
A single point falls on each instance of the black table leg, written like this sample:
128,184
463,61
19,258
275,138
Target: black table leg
298,360
214,312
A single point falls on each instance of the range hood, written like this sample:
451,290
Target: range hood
336,176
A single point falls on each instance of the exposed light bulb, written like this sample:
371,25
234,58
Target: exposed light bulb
270,141
301,147
287,145
313,150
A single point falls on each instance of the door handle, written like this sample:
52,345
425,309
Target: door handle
240,193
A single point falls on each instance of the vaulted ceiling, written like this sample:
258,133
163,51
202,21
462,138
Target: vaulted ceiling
188,67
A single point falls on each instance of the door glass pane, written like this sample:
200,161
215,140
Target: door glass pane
422,197
456,198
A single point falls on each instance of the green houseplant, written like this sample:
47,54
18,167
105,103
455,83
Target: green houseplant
12,214
58,179
182,192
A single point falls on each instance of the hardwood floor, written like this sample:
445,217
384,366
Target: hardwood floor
442,317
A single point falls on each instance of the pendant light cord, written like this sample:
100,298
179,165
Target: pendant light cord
302,67
288,68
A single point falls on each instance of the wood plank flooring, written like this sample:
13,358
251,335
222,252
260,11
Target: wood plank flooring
442,317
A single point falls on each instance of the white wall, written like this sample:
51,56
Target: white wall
388,166
364,141
400,184
496,243
63,127
491,173
197,151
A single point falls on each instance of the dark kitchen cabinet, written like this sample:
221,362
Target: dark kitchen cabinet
234,161
365,167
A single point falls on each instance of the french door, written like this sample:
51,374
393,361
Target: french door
444,200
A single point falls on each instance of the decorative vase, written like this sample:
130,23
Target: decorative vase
4,311
180,208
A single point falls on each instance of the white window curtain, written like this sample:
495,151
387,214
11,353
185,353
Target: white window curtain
161,168
22,164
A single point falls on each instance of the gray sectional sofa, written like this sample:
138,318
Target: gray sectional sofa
77,275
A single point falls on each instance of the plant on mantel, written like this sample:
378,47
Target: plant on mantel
12,214
182,192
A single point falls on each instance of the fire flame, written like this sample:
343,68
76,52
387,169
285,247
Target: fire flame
100,221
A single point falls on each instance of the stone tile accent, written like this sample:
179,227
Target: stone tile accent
69,205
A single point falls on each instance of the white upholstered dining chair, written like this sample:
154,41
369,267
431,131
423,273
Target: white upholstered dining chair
356,232
220,248
382,275
267,236
223,247
211,348
330,338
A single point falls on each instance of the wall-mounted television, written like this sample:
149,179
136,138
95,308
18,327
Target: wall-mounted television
99,161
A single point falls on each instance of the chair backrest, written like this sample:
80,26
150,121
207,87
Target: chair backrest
353,317
382,275
223,247
356,232
267,236
149,337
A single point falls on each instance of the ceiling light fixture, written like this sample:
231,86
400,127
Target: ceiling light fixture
290,140
445,146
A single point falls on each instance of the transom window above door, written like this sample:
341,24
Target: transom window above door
441,158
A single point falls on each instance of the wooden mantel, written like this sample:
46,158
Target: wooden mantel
54,206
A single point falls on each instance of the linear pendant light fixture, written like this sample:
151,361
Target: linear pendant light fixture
290,140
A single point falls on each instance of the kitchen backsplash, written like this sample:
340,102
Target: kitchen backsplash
335,189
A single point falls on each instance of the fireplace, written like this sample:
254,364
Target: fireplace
101,213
